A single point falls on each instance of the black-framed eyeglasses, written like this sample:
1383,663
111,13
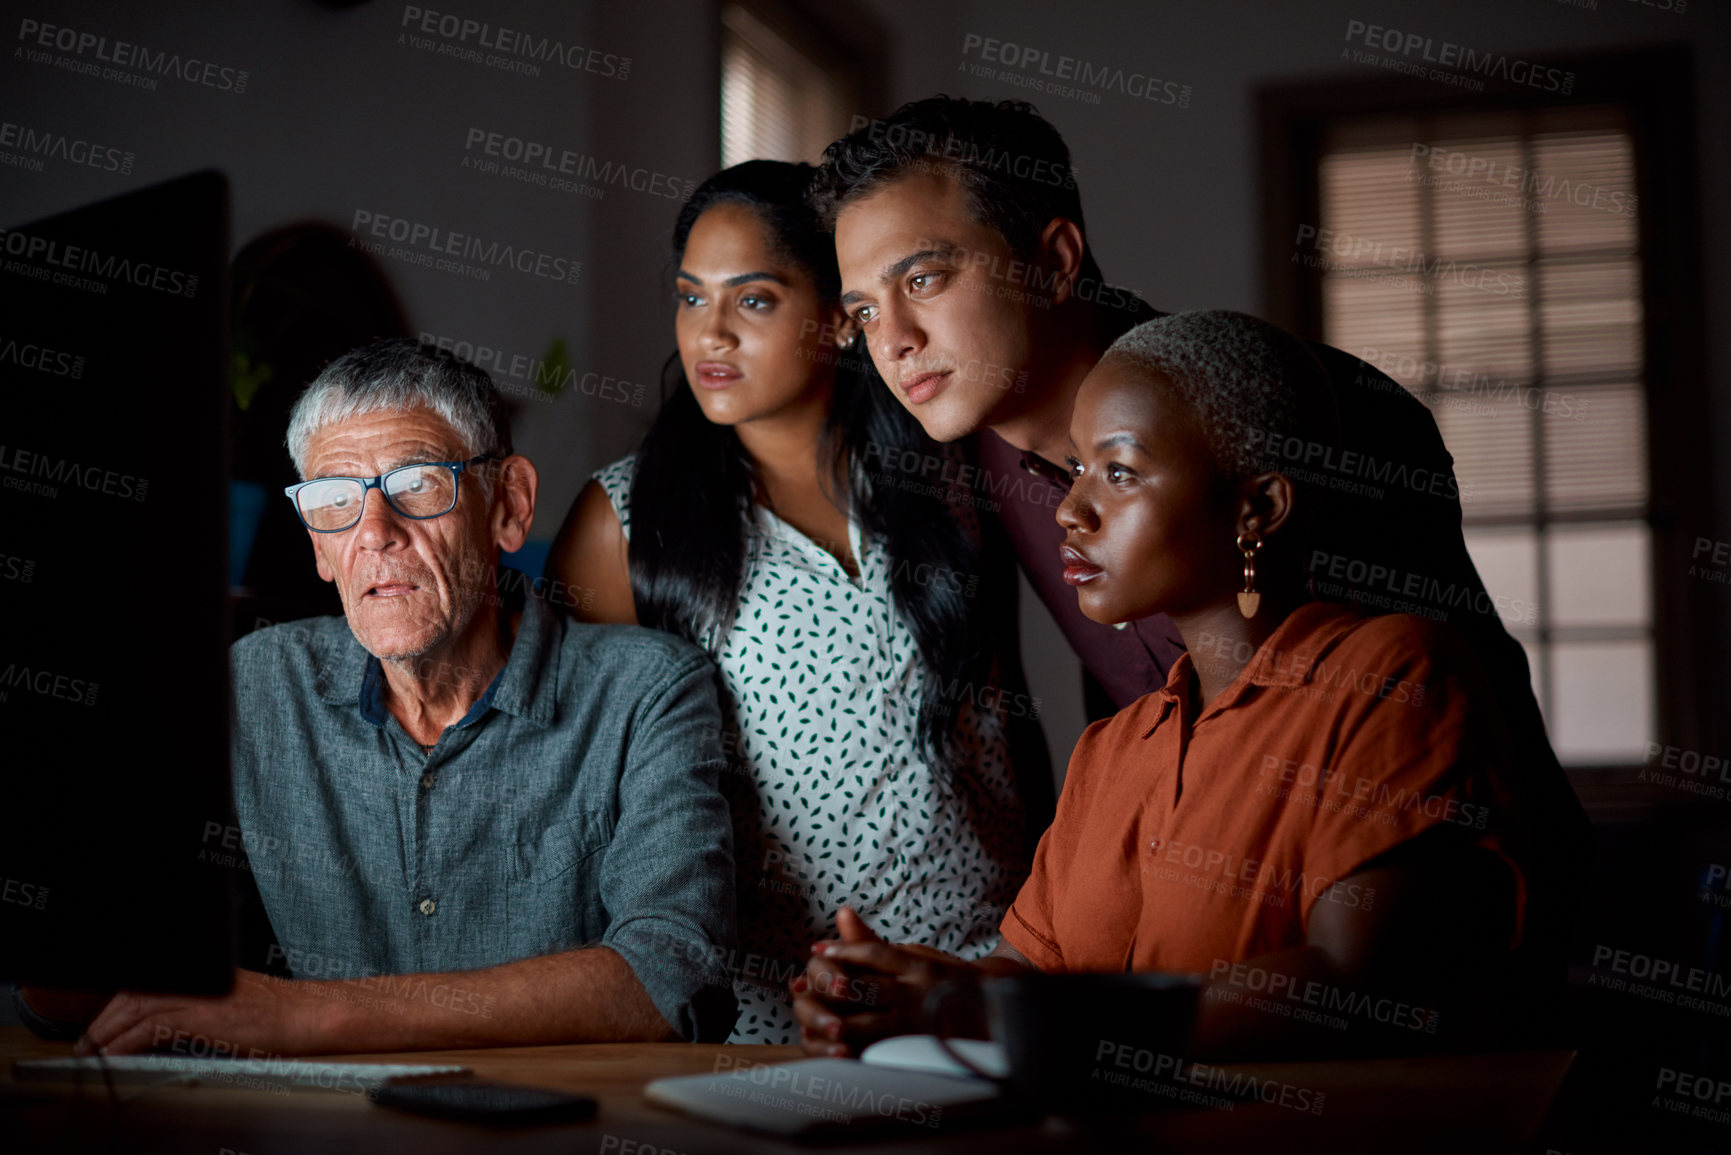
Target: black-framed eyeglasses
422,491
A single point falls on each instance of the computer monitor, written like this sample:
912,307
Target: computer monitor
113,636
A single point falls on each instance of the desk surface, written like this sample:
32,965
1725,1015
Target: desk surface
1479,1103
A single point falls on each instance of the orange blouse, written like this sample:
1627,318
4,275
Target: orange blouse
1185,837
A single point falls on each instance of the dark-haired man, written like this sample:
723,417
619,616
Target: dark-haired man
965,264
964,261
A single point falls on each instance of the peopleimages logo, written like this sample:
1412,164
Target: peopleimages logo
1449,55
1327,782
436,243
1426,591
1263,881
47,684
1323,996
30,355
72,259
36,145
1169,1072
947,475
1281,448
949,148
305,964
1084,73
1676,976
25,463
538,377
1499,173
544,163
1360,257
787,1088
506,48
27,894
1468,382
124,54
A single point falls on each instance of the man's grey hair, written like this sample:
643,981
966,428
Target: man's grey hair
1248,382
402,374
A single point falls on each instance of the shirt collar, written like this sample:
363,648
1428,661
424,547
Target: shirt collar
372,698
529,683
527,686
1286,661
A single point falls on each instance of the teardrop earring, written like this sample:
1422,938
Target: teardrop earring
1249,600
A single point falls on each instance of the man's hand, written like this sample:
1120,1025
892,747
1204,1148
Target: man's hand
264,1014
857,989
590,995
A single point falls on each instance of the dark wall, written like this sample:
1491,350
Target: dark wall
343,114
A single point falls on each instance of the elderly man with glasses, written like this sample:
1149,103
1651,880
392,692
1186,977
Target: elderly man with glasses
470,821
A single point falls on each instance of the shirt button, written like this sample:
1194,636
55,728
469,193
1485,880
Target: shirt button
428,906
427,780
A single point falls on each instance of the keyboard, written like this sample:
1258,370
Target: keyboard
235,1074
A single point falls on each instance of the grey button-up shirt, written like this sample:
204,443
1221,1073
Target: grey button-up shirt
577,804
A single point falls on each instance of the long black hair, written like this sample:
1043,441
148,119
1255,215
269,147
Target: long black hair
692,496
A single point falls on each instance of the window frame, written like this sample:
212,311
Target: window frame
853,49
1656,86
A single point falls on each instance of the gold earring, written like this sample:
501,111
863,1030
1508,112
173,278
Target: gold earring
1249,601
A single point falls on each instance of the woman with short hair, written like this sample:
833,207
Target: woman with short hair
1316,799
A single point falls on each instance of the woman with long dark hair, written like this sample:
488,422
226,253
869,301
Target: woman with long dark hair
855,609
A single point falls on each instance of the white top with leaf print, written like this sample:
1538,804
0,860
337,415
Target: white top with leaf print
832,801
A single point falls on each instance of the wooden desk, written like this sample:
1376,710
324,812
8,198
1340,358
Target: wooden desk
1487,1103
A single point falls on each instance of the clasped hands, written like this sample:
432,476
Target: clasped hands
857,989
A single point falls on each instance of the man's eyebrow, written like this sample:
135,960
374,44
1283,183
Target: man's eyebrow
1116,440
895,272
735,281
427,454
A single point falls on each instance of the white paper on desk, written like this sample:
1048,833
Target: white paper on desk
236,1074
925,1053
817,1096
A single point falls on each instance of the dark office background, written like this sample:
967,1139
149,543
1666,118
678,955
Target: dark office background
353,113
